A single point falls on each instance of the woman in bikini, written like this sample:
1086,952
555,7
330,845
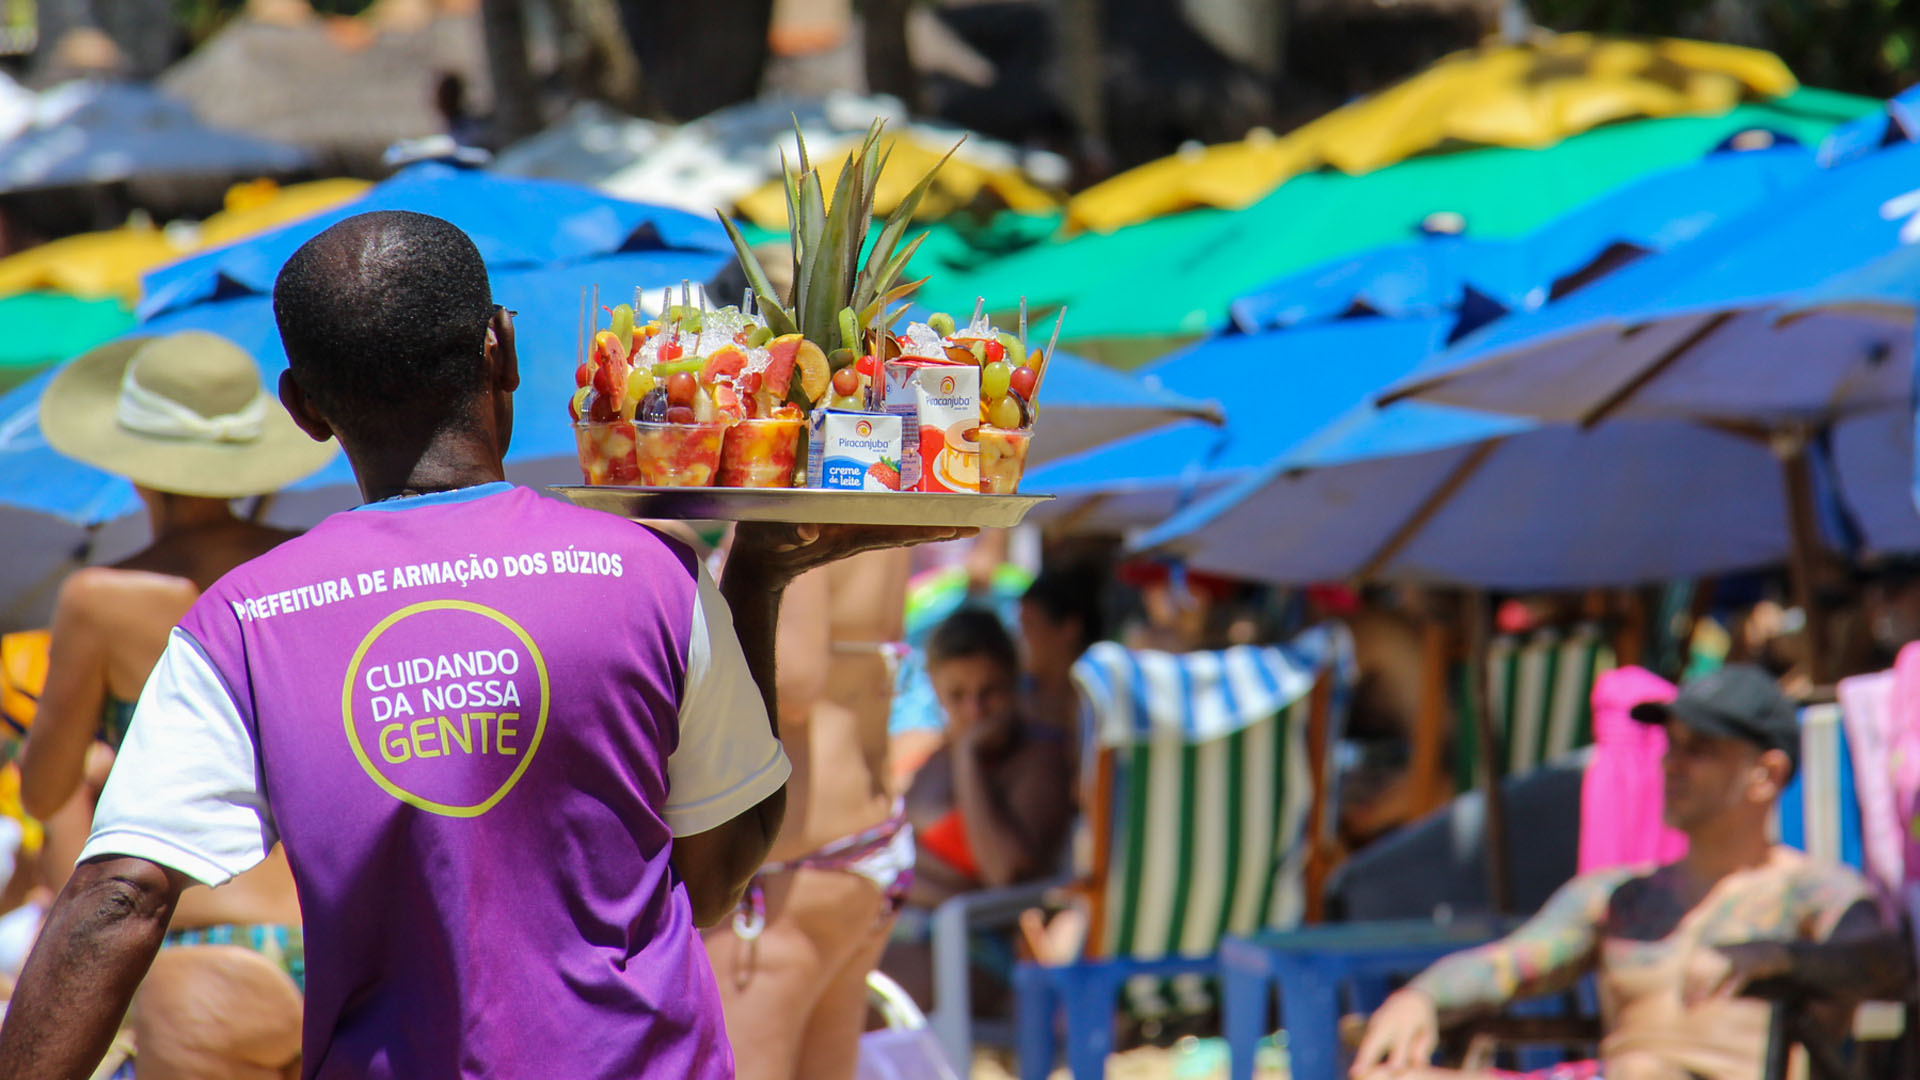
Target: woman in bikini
186,419
992,807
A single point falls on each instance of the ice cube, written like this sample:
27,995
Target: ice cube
922,340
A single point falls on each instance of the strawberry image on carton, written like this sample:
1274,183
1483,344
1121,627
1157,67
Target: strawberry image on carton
853,451
939,409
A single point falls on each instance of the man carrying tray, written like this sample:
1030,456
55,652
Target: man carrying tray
516,750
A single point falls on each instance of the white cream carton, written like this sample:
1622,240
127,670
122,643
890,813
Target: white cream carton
854,451
939,409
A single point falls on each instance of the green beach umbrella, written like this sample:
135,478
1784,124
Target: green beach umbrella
45,328
1134,291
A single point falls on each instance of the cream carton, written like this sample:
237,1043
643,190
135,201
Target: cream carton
939,409
854,451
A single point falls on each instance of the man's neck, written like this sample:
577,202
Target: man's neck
444,461
1713,853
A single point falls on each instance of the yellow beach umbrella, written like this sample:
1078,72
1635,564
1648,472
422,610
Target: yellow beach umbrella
262,204
958,184
111,263
91,265
1527,95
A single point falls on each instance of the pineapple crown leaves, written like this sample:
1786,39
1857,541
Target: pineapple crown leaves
827,239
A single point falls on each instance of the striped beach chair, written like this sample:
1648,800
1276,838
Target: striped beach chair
1819,812
1212,789
1540,689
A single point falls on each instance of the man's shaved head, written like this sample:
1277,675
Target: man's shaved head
384,317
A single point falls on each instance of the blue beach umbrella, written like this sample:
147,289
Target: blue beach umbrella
1434,493
517,224
100,133
1697,332
1430,275
1281,385
1898,122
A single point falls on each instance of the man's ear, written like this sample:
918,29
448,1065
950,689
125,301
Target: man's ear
503,358
301,409
1779,771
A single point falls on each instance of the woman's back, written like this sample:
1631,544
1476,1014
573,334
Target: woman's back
110,626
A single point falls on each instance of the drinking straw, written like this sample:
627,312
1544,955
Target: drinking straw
1046,364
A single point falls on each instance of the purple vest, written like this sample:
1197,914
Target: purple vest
464,705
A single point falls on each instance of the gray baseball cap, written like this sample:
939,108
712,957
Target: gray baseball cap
1739,701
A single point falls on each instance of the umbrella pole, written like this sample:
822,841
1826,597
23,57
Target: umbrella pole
1804,531
1487,763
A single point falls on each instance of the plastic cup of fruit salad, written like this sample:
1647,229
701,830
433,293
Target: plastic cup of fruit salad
1003,457
607,451
760,453
678,455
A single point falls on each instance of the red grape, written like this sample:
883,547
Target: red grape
681,386
845,382
680,414
1023,380
583,374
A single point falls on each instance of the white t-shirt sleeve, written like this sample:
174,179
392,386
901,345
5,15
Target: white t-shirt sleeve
727,760
185,789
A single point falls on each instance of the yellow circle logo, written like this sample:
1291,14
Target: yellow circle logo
433,707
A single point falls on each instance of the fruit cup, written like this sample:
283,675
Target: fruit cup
1003,457
678,455
607,452
760,453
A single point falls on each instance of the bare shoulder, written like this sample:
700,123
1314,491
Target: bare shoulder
1824,891
104,595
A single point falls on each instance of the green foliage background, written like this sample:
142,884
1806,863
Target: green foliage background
1864,46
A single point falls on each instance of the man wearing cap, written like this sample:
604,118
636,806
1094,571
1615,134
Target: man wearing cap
516,751
1673,947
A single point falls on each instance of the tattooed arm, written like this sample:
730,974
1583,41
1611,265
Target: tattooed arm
1845,952
1551,950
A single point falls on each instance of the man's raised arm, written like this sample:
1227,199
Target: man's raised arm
1550,951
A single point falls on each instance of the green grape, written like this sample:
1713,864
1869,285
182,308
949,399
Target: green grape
995,378
1005,413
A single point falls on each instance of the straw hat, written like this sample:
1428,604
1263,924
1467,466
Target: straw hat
183,413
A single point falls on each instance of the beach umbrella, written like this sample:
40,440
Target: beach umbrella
98,133
1698,331
104,264
1522,95
1281,386
517,224
1437,494
111,263
43,329
1898,121
1174,277
731,159
1431,274
1084,405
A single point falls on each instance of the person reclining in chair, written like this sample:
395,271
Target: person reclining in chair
1673,947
